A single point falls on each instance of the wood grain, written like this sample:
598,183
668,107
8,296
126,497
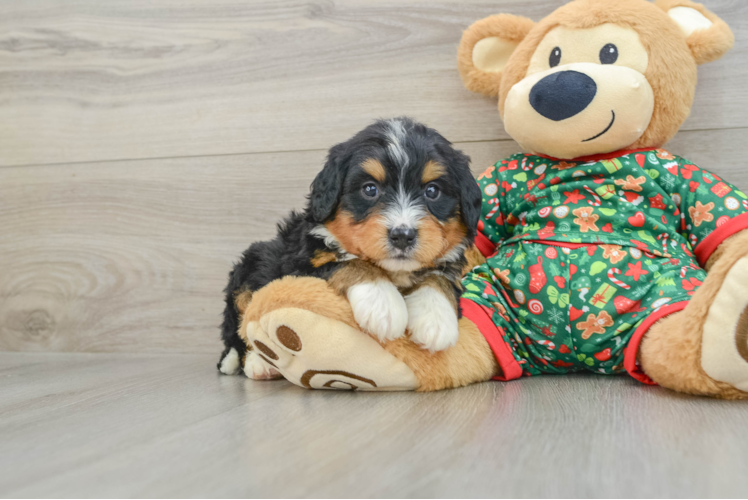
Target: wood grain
91,81
113,425
132,256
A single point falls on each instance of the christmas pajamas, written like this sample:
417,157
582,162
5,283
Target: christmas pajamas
584,256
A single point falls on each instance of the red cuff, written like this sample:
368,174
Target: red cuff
631,351
706,248
486,246
510,369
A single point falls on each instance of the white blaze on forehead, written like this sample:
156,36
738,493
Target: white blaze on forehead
404,212
395,136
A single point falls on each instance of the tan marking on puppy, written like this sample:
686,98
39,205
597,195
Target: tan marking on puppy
355,272
436,239
374,169
454,232
242,300
432,171
321,258
474,258
366,239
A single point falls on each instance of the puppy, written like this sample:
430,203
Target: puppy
387,224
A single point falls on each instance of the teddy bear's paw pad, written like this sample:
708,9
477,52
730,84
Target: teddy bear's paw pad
258,367
379,309
336,380
432,320
318,352
724,349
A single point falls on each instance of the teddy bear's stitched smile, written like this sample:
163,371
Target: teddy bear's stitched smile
606,128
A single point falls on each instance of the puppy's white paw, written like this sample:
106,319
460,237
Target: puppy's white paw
379,308
432,320
257,369
230,363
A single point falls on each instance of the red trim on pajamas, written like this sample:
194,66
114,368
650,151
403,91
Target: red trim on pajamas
486,246
706,248
591,158
510,369
629,360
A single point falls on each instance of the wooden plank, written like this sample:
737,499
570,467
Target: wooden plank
132,256
91,81
110,425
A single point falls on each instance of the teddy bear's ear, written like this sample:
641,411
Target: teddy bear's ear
708,36
485,49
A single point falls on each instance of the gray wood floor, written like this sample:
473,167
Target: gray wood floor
144,145
168,425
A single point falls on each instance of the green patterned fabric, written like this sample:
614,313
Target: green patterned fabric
563,310
586,251
645,199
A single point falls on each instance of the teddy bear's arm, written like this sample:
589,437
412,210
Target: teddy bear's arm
712,210
492,224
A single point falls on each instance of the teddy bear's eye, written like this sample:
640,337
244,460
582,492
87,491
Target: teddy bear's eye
609,54
555,57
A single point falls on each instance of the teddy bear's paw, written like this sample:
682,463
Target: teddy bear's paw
724,348
257,368
379,309
432,320
317,352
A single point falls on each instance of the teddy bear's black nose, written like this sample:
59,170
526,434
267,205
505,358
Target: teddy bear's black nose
562,95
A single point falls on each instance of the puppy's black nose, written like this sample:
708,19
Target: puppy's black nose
562,95
402,237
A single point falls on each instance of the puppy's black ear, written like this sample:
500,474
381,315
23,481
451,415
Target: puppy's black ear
471,198
328,185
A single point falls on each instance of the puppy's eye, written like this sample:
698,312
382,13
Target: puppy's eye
432,192
609,54
555,57
370,190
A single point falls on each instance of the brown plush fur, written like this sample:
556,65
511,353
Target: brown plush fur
470,361
672,57
670,352
706,45
312,294
506,26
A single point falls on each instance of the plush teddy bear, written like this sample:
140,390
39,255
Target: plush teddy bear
601,251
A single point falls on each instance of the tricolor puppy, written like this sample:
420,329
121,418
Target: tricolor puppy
387,224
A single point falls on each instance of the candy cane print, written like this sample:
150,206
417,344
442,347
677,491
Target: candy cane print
684,269
492,212
613,271
597,201
548,344
664,238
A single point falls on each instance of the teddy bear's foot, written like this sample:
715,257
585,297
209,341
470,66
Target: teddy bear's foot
317,352
724,349
257,368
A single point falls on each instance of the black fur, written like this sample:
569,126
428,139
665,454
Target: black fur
338,186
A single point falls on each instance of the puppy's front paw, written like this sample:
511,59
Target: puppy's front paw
379,309
432,320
